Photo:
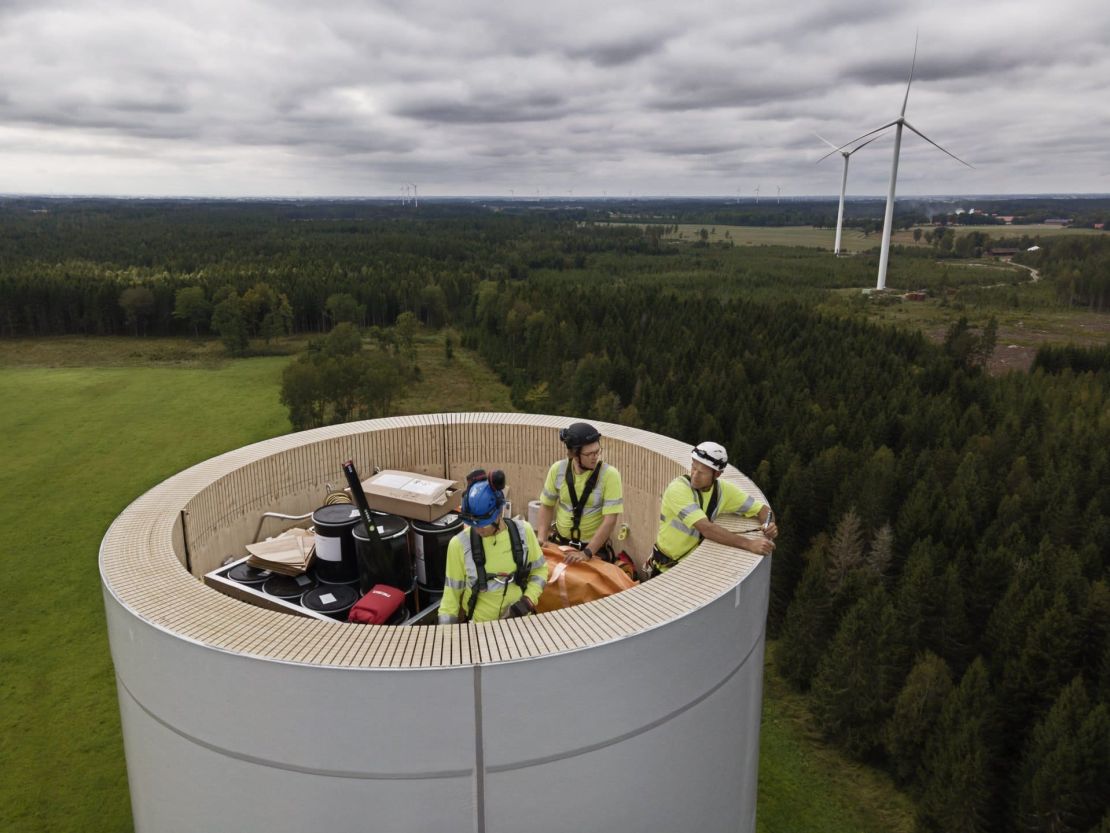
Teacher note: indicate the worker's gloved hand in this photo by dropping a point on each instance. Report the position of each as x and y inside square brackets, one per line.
[522, 607]
[573, 556]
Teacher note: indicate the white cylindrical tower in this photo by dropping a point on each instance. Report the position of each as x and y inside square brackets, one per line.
[637, 712]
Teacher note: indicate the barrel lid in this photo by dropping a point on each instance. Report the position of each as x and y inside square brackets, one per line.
[244, 573]
[288, 587]
[448, 521]
[389, 526]
[337, 514]
[330, 599]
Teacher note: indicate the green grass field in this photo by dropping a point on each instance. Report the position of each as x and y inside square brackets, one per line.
[852, 240]
[807, 236]
[805, 785]
[90, 425]
[79, 444]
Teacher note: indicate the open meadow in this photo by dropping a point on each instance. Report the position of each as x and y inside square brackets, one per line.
[91, 424]
[852, 239]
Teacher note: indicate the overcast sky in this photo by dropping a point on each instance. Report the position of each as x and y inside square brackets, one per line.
[359, 97]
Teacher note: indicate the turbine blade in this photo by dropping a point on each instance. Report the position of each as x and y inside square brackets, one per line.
[823, 139]
[934, 144]
[913, 64]
[864, 136]
[865, 144]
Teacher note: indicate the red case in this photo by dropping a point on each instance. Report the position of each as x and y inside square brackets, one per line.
[378, 606]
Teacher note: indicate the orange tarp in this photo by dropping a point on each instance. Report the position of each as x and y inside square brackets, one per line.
[575, 584]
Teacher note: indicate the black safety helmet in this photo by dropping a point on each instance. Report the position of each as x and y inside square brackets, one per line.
[578, 435]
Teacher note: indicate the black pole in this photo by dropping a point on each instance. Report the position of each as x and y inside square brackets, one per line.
[375, 559]
[359, 498]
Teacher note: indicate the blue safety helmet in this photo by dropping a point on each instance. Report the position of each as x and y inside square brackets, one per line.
[481, 503]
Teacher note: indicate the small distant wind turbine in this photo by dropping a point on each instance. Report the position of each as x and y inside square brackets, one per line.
[778, 194]
[757, 195]
[415, 196]
[897, 124]
[843, 181]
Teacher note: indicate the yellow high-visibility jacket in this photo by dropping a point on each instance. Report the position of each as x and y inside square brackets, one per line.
[607, 497]
[683, 506]
[501, 591]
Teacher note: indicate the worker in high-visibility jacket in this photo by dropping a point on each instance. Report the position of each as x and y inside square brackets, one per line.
[585, 496]
[495, 567]
[691, 505]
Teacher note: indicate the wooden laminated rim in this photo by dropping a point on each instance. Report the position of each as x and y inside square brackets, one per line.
[143, 572]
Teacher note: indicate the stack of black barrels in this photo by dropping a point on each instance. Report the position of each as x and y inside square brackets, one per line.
[412, 557]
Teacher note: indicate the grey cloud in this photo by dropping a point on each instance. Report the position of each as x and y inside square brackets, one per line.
[159, 107]
[617, 53]
[700, 93]
[938, 68]
[680, 147]
[507, 109]
[347, 94]
[96, 119]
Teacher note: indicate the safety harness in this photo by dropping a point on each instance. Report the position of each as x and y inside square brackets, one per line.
[714, 499]
[658, 558]
[478, 555]
[578, 504]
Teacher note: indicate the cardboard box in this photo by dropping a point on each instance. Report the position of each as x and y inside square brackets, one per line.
[416, 496]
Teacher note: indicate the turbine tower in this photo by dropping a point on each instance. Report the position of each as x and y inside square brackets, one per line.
[897, 124]
[843, 182]
[415, 197]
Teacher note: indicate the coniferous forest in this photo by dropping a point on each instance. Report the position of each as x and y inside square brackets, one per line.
[941, 586]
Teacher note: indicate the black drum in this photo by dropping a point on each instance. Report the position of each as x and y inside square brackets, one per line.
[244, 573]
[392, 564]
[408, 609]
[336, 561]
[429, 549]
[333, 600]
[427, 596]
[289, 588]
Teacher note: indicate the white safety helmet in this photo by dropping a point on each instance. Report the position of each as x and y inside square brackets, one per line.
[711, 454]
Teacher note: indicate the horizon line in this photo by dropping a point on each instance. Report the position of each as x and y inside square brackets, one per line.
[728, 199]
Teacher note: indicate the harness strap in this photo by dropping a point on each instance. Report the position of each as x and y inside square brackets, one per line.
[714, 500]
[606, 553]
[658, 562]
[521, 576]
[579, 505]
[478, 554]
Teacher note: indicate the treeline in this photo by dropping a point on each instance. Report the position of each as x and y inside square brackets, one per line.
[247, 271]
[1053, 358]
[1079, 268]
[940, 585]
[859, 213]
[66, 270]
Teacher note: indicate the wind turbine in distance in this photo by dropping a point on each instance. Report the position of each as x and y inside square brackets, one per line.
[843, 181]
[897, 124]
